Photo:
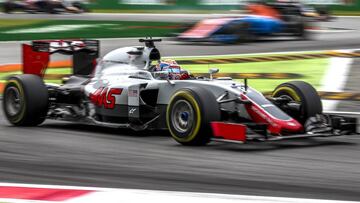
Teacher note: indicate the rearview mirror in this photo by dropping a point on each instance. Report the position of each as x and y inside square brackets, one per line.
[162, 75]
[213, 71]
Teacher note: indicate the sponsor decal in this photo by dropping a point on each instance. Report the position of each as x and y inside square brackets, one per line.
[133, 93]
[132, 110]
[103, 97]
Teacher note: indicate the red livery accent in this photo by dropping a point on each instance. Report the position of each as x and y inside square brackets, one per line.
[34, 62]
[95, 96]
[229, 131]
[42, 194]
[103, 97]
[111, 98]
[276, 126]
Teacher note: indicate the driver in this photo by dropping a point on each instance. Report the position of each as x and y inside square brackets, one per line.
[175, 72]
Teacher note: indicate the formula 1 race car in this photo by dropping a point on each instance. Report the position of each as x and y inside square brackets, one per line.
[44, 6]
[124, 89]
[265, 21]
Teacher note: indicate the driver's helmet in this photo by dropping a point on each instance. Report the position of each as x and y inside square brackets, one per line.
[173, 68]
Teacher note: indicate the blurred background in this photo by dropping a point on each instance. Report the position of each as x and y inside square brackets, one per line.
[268, 42]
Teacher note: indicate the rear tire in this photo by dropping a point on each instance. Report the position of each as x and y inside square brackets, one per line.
[189, 114]
[25, 100]
[303, 93]
[301, 31]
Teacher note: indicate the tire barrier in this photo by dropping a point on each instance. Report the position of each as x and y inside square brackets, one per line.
[282, 57]
[254, 75]
[348, 96]
[342, 96]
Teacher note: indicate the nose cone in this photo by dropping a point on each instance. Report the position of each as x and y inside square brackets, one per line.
[291, 126]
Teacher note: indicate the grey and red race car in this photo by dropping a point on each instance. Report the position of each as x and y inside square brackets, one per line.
[132, 87]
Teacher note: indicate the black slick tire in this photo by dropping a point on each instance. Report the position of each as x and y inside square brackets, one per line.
[25, 100]
[200, 107]
[303, 93]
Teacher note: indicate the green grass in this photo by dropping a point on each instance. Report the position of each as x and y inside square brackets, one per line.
[312, 69]
[58, 71]
[345, 13]
[11, 23]
[94, 29]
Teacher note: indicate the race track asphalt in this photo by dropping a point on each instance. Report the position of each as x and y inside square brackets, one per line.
[70, 154]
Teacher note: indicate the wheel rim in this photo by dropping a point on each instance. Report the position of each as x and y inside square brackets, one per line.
[13, 101]
[182, 116]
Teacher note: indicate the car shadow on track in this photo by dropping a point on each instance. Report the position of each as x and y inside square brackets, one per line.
[110, 133]
[105, 130]
[284, 145]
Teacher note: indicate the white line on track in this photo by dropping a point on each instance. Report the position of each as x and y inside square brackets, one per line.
[113, 195]
[343, 113]
[335, 79]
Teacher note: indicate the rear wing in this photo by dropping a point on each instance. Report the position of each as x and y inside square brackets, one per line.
[36, 56]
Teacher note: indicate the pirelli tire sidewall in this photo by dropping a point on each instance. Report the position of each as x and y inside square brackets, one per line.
[305, 94]
[33, 96]
[206, 109]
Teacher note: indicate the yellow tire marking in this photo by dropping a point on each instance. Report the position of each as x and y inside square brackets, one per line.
[289, 91]
[23, 105]
[186, 95]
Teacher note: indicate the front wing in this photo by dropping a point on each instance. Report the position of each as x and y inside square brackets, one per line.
[252, 132]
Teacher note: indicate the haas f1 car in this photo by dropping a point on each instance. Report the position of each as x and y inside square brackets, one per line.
[124, 89]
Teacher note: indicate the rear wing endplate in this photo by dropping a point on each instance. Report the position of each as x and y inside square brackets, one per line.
[36, 56]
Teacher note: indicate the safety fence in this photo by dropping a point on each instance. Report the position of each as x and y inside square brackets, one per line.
[340, 96]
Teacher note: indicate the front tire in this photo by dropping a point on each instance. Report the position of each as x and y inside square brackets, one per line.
[303, 93]
[189, 114]
[25, 100]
